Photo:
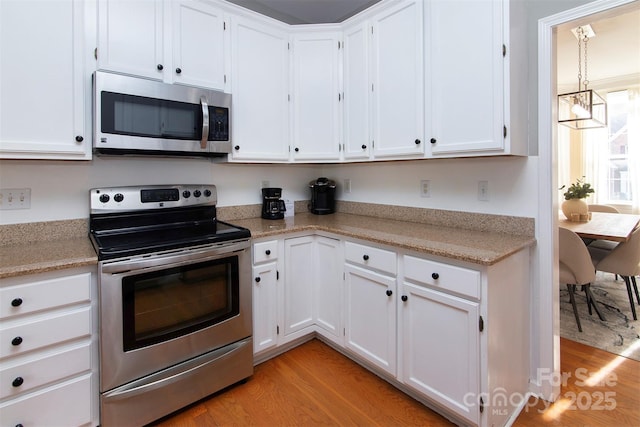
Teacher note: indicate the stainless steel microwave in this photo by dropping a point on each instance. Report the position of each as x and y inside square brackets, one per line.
[138, 116]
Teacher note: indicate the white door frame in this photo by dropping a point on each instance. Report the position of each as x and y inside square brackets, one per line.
[543, 383]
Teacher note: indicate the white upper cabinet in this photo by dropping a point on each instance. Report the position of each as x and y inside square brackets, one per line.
[469, 91]
[199, 33]
[260, 87]
[316, 96]
[42, 81]
[356, 102]
[131, 37]
[173, 41]
[398, 110]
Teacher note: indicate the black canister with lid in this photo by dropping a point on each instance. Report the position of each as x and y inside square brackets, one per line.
[323, 196]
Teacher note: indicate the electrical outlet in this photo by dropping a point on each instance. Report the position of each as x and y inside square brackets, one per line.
[265, 183]
[15, 198]
[425, 188]
[483, 191]
[347, 185]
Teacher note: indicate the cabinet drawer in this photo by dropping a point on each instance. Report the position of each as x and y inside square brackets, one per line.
[265, 251]
[370, 257]
[31, 297]
[44, 331]
[35, 372]
[443, 276]
[66, 404]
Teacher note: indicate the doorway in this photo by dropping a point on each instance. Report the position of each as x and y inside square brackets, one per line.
[548, 329]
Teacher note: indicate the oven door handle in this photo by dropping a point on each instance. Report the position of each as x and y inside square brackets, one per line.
[205, 123]
[186, 256]
[173, 374]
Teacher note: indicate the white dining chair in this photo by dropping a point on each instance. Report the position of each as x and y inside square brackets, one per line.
[606, 245]
[603, 208]
[576, 269]
[623, 260]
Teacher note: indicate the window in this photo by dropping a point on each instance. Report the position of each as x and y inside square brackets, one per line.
[619, 189]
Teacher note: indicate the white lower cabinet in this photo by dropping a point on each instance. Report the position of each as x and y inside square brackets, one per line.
[297, 288]
[455, 335]
[463, 334]
[297, 291]
[265, 295]
[265, 303]
[48, 349]
[370, 304]
[370, 316]
[441, 348]
[327, 288]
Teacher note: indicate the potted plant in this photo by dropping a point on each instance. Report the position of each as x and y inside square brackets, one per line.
[574, 202]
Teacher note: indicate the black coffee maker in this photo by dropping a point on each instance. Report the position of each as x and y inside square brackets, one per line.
[272, 204]
[323, 196]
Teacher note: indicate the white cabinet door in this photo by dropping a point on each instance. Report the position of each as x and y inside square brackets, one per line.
[441, 348]
[398, 110]
[370, 316]
[465, 85]
[328, 297]
[265, 307]
[260, 87]
[131, 37]
[42, 81]
[198, 45]
[357, 90]
[316, 96]
[173, 41]
[298, 286]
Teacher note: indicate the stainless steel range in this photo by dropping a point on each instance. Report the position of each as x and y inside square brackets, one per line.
[175, 300]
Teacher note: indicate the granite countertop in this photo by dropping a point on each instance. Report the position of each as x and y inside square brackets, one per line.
[45, 246]
[65, 244]
[39, 257]
[478, 247]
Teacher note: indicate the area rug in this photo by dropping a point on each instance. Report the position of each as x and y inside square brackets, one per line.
[619, 334]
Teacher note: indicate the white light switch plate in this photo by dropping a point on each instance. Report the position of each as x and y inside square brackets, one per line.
[15, 198]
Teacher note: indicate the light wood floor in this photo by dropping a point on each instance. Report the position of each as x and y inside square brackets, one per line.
[314, 385]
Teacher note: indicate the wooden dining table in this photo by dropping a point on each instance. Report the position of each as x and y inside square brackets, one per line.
[616, 227]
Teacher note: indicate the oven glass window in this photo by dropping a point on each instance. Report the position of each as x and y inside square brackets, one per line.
[124, 114]
[166, 304]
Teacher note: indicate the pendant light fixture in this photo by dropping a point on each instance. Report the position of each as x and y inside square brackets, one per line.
[584, 109]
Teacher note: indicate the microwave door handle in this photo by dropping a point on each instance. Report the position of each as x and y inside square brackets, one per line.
[205, 122]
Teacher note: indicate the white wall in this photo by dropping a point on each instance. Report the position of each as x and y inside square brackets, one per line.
[60, 190]
[454, 184]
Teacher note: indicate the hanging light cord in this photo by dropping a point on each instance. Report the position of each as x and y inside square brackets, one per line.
[580, 32]
[586, 80]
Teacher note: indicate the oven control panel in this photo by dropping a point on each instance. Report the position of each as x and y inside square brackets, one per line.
[151, 197]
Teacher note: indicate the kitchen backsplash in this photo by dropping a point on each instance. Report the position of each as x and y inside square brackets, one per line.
[467, 220]
[24, 233]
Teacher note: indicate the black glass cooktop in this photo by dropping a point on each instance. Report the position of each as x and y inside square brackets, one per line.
[117, 235]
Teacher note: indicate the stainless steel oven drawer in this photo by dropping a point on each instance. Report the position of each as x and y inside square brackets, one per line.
[154, 396]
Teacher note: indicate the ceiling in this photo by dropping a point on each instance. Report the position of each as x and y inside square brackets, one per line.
[307, 11]
[613, 54]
